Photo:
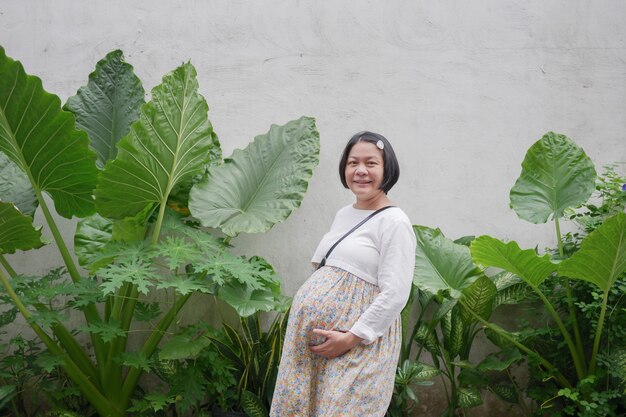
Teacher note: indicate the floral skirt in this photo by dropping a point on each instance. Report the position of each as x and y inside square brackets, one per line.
[358, 383]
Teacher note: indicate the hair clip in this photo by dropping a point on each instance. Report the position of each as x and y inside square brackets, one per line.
[380, 145]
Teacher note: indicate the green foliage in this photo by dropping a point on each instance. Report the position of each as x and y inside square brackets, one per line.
[17, 231]
[254, 355]
[235, 198]
[169, 146]
[42, 141]
[408, 374]
[584, 300]
[556, 175]
[107, 106]
[461, 298]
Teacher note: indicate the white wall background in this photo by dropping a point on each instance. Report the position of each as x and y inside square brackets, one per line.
[461, 88]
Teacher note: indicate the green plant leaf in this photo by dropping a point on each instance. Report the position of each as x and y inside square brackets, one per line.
[499, 361]
[261, 185]
[108, 104]
[506, 392]
[17, 230]
[601, 258]
[453, 338]
[511, 289]
[526, 264]
[92, 235]
[167, 146]
[15, 187]
[478, 298]
[108, 331]
[426, 371]
[556, 175]
[252, 405]
[247, 301]
[43, 142]
[469, 397]
[183, 347]
[440, 264]
[427, 337]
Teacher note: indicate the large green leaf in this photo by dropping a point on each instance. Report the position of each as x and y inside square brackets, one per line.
[526, 264]
[15, 187]
[441, 264]
[556, 175]
[601, 258]
[168, 145]
[247, 301]
[94, 234]
[107, 106]
[261, 185]
[42, 141]
[17, 231]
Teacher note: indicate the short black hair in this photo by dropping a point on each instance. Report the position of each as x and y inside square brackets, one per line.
[391, 168]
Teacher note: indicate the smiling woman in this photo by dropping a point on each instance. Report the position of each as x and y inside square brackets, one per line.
[343, 337]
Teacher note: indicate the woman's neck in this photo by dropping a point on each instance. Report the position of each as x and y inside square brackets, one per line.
[372, 204]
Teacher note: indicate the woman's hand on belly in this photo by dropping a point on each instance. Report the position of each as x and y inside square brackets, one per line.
[336, 343]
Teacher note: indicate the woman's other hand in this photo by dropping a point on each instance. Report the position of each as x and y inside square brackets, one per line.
[336, 343]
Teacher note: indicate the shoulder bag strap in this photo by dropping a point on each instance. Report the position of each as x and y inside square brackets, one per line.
[323, 261]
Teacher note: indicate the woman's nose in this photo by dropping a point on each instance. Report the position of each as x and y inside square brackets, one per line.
[361, 170]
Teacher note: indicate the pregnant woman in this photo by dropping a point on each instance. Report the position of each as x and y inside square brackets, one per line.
[343, 338]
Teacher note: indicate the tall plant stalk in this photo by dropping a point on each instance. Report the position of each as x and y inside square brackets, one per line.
[580, 354]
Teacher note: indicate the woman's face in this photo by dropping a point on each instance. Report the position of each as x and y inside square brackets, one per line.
[365, 171]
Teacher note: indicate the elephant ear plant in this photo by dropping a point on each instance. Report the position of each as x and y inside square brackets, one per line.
[556, 176]
[120, 170]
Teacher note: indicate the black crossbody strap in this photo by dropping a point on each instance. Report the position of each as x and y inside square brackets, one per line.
[323, 261]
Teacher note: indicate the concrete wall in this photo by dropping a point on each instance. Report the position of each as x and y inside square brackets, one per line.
[461, 88]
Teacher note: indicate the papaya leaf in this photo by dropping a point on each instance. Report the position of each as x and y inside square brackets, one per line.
[601, 258]
[168, 145]
[107, 331]
[261, 185]
[136, 272]
[17, 230]
[526, 264]
[440, 264]
[134, 360]
[556, 175]
[247, 301]
[15, 187]
[43, 142]
[108, 104]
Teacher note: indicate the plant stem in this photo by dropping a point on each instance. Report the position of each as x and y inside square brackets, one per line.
[90, 311]
[159, 221]
[148, 348]
[7, 266]
[559, 377]
[576, 357]
[570, 302]
[596, 341]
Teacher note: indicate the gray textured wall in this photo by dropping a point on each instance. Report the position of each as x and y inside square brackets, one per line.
[461, 88]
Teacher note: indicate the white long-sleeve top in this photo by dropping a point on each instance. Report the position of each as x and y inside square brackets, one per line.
[382, 252]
